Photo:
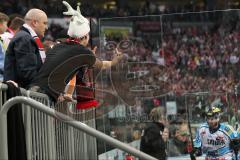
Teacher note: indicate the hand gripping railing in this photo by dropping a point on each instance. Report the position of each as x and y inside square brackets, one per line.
[66, 119]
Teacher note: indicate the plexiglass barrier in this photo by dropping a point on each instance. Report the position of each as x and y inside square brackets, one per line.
[183, 63]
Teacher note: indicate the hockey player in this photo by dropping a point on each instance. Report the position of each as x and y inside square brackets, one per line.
[213, 138]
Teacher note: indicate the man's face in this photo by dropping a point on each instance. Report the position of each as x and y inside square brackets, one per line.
[182, 135]
[213, 121]
[3, 27]
[41, 25]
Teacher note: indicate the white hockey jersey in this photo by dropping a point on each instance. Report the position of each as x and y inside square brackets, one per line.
[215, 145]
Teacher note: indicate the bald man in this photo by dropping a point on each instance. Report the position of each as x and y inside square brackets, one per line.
[25, 53]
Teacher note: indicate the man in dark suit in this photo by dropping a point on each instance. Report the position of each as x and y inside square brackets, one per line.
[25, 54]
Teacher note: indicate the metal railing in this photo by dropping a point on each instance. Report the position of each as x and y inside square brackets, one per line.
[48, 138]
[62, 117]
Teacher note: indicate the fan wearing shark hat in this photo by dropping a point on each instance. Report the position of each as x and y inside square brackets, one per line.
[67, 60]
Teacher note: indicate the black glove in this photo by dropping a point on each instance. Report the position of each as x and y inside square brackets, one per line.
[235, 144]
[197, 151]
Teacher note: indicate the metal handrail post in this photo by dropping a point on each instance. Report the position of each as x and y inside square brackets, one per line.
[3, 127]
[3, 137]
[28, 130]
[68, 120]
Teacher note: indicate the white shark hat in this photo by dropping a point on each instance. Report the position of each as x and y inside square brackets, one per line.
[79, 25]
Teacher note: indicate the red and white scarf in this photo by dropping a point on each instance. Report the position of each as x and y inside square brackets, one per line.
[84, 87]
[38, 42]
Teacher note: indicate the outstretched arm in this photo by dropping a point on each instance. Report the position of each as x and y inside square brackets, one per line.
[107, 64]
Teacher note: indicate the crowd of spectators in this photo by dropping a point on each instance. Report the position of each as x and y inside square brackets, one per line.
[190, 58]
[120, 8]
[193, 59]
[201, 61]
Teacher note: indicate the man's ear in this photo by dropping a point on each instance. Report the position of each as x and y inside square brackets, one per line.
[34, 22]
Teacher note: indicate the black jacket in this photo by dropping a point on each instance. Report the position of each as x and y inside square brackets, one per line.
[61, 63]
[152, 142]
[16, 132]
[22, 60]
